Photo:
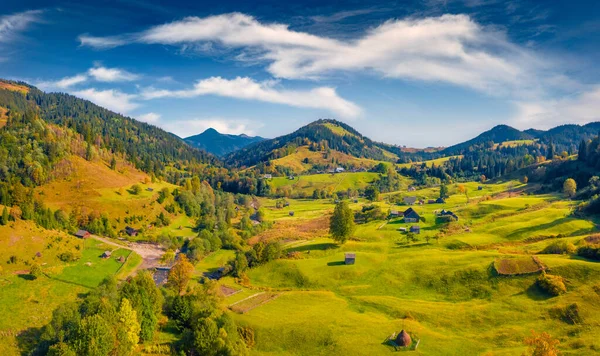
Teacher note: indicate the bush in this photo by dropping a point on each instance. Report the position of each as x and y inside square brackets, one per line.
[68, 257]
[553, 285]
[589, 251]
[559, 248]
[35, 271]
[569, 314]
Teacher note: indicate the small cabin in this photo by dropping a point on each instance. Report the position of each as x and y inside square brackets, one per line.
[431, 201]
[150, 189]
[394, 213]
[339, 170]
[83, 234]
[410, 215]
[410, 200]
[412, 189]
[131, 231]
[268, 176]
[440, 201]
[350, 258]
[415, 229]
[291, 213]
[106, 254]
[480, 188]
[402, 229]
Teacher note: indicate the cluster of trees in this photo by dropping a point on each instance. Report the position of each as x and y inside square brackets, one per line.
[259, 254]
[112, 319]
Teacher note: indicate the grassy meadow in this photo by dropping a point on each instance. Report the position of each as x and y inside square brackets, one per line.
[444, 293]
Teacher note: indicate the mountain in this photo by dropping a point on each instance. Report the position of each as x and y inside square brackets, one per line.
[51, 127]
[221, 144]
[320, 143]
[497, 134]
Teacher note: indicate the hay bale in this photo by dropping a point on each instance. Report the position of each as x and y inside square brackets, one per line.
[403, 339]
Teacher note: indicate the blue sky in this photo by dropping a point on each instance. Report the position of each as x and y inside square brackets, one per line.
[415, 73]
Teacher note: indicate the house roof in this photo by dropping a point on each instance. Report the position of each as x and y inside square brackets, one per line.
[81, 232]
[410, 199]
[411, 213]
[350, 255]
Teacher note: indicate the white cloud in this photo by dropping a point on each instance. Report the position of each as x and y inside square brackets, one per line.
[186, 128]
[577, 109]
[103, 74]
[450, 48]
[112, 99]
[246, 88]
[10, 25]
[63, 83]
[151, 117]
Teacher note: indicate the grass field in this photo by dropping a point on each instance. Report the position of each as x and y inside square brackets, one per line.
[444, 293]
[27, 304]
[295, 161]
[429, 163]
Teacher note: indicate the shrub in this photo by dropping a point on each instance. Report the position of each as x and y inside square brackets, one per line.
[559, 248]
[35, 271]
[68, 257]
[553, 285]
[569, 314]
[589, 251]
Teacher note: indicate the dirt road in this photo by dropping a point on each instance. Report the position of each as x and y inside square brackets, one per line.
[151, 253]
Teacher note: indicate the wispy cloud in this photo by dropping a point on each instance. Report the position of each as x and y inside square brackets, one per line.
[112, 99]
[580, 108]
[151, 117]
[449, 48]
[63, 83]
[246, 88]
[11, 25]
[103, 74]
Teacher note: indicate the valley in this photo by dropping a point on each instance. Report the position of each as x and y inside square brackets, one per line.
[470, 249]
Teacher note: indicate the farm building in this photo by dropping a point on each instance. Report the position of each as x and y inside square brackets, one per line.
[350, 258]
[403, 339]
[150, 189]
[480, 188]
[106, 254]
[268, 176]
[402, 229]
[339, 170]
[445, 212]
[131, 231]
[431, 201]
[411, 189]
[394, 213]
[410, 200]
[415, 229]
[291, 213]
[440, 201]
[410, 215]
[83, 234]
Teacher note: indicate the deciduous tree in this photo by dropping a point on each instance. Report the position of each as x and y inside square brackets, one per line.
[180, 274]
[341, 225]
[570, 187]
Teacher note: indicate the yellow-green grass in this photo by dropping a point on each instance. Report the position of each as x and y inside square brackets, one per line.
[429, 163]
[26, 303]
[450, 299]
[295, 161]
[214, 260]
[515, 143]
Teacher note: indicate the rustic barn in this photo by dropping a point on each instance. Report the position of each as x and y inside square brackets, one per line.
[410, 215]
[83, 234]
[350, 258]
[106, 254]
[131, 231]
[415, 229]
[410, 200]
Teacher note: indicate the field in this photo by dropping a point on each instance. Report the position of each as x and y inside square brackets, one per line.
[429, 163]
[27, 304]
[329, 182]
[295, 161]
[445, 293]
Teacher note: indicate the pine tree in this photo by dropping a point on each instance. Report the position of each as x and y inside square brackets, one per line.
[113, 163]
[582, 154]
[5, 216]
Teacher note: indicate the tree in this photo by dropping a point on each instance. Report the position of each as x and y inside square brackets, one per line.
[5, 216]
[443, 191]
[341, 224]
[240, 264]
[582, 153]
[180, 274]
[113, 163]
[61, 349]
[525, 179]
[128, 333]
[542, 344]
[35, 271]
[550, 152]
[570, 187]
[372, 193]
[168, 257]
[94, 337]
[136, 189]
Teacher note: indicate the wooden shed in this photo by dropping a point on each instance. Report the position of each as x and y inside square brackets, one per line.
[350, 258]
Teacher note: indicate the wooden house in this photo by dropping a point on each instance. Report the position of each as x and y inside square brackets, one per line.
[410, 200]
[350, 258]
[415, 229]
[410, 215]
[83, 234]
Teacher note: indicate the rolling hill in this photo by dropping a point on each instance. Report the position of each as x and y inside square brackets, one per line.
[317, 139]
[220, 144]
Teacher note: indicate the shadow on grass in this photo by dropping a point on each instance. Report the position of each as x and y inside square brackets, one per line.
[534, 293]
[336, 263]
[314, 247]
[28, 341]
[27, 277]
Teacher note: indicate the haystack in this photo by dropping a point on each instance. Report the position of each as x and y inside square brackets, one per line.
[403, 339]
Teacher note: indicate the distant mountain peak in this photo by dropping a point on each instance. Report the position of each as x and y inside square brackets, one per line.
[220, 144]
